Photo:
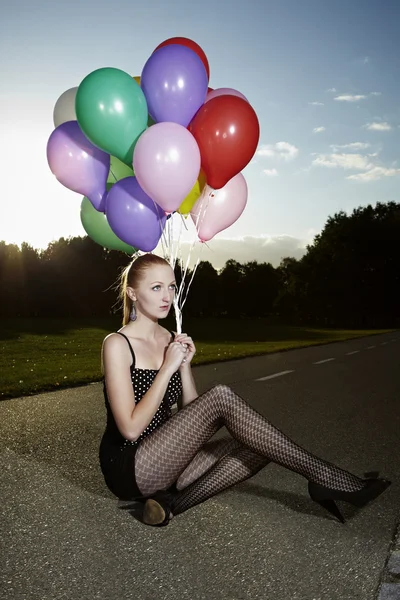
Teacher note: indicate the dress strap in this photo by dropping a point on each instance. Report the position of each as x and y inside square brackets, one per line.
[130, 348]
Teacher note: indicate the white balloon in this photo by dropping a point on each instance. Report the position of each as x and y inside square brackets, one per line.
[64, 109]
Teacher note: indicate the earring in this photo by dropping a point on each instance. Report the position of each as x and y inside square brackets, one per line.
[133, 315]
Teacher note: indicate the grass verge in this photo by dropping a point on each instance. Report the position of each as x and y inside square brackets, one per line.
[38, 355]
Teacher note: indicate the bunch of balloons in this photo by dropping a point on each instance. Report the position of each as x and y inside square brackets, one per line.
[141, 148]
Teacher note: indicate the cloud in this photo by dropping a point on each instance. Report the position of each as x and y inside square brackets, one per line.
[260, 248]
[280, 150]
[344, 161]
[374, 174]
[318, 129]
[376, 94]
[384, 126]
[333, 90]
[270, 172]
[363, 60]
[356, 162]
[350, 98]
[351, 146]
[316, 103]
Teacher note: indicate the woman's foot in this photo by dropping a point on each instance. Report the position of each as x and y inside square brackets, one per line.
[157, 509]
[326, 497]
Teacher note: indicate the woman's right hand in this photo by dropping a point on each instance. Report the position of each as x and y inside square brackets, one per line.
[174, 356]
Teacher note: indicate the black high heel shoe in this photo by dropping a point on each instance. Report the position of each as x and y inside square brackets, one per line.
[157, 509]
[326, 497]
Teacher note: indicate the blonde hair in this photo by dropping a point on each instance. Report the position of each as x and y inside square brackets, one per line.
[131, 277]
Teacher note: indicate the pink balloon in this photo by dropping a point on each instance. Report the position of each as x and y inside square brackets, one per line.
[224, 92]
[216, 210]
[166, 162]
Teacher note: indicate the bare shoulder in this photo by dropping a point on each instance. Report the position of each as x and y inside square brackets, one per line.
[113, 341]
[115, 348]
[167, 332]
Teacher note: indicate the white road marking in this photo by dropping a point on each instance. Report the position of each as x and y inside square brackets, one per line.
[370, 347]
[274, 375]
[350, 353]
[320, 362]
[383, 343]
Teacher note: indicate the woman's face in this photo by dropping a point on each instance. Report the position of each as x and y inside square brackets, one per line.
[155, 293]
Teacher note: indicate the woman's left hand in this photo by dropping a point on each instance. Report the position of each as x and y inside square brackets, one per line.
[186, 341]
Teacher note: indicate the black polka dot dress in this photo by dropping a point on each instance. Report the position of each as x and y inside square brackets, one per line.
[117, 454]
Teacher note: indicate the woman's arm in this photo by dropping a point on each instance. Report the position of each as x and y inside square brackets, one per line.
[131, 419]
[189, 391]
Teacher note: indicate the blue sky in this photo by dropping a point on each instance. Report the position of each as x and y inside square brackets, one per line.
[322, 76]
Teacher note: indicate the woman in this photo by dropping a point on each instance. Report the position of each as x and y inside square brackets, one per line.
[168, 461]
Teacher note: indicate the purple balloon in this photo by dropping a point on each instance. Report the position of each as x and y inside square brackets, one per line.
[78, 164]
[175, 83]
[133, 216]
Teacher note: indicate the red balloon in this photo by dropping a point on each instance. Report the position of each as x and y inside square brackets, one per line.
[182, 41]
[227, 131]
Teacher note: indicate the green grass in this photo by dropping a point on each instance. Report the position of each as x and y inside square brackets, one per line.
[39, 355]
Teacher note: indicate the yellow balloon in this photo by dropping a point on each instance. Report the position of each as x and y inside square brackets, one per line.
[137, 79]
[193, 195]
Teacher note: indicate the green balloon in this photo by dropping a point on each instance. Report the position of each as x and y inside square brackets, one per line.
[118, 170]
[96, 226]
[111, 110]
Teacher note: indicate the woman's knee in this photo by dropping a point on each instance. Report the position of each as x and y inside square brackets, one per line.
[222, 388]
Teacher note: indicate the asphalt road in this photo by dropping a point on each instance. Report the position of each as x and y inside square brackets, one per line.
[64, 536]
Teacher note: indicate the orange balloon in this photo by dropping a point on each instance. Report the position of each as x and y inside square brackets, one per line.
[137, 79]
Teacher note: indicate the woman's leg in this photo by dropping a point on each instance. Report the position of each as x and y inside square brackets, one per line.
[205, 459]
[237, 466]
[163, 456]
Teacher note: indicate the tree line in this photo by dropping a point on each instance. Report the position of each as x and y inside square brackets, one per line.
[348, 277]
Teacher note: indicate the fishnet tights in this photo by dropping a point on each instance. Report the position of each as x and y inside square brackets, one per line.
[174, 452]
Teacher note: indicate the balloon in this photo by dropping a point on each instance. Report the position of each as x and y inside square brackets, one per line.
[64, 109]
[118, 170]
[112, 111]
[218, 209]
[166, 162]
[150, 121]
[78, 164]
[96, 226]
[133, 216]
[227, 132]
[193, 195]
[224, 92]
[174, 82]
[182, 41]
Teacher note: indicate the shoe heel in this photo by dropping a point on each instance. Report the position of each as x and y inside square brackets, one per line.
[154, 513]
[331, 507]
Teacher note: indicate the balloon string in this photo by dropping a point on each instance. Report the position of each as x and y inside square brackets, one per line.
[177, 246]
[195, 239]
[174, 246]
[191, 279]
[178, 308]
